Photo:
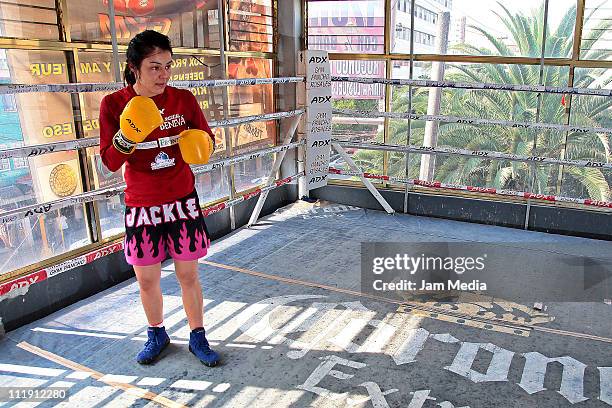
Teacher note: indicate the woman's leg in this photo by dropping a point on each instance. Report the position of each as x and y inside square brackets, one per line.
[187, 275]
[150, 292]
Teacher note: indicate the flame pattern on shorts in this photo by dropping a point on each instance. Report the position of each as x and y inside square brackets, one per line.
[176, 229]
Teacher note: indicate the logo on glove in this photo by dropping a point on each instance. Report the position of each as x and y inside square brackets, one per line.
[132, 125]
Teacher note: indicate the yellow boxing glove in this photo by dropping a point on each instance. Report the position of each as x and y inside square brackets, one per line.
[139, 118]
[196, 146]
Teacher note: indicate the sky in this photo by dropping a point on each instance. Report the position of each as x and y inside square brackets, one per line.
[480, 10]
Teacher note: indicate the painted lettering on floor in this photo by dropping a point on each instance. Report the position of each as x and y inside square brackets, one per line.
[333, 327]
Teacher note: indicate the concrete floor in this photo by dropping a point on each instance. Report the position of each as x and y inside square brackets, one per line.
[283, 308]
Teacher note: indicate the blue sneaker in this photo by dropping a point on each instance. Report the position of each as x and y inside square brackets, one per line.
[158, 341]
[199, 346]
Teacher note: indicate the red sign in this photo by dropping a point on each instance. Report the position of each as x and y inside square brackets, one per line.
[92, 256]
[23, 282]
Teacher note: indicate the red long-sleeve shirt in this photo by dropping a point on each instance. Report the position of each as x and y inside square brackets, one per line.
[159, 175]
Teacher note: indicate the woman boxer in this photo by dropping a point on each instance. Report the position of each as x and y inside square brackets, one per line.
[162, 214]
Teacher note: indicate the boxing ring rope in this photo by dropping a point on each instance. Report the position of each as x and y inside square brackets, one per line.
[35, 150]
[46, 148]
[101, 194]
[477, 85]
[472, 189]
[484, 154]
[7, 89]
[53, 147]
[481, 154]
[113, 86]
[472, 121]
[104, 193]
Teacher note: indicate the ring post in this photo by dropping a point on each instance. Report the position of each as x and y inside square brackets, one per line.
[318, 124]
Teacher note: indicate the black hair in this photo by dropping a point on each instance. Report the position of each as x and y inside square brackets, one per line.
[140, 47]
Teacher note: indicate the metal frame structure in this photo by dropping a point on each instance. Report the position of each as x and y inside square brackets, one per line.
[72, 51]
[387, 56]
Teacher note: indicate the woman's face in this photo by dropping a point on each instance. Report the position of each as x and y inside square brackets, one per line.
[154, 73]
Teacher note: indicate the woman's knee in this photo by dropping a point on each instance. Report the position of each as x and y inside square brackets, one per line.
[148, 276]
[189, 277]
[187, 272]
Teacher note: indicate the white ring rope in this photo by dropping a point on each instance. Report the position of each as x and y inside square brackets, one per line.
[472, 121]
[7, 89]
[105, 193]
[106, 250]
[255, 118]
[477, 85]
[486, 190]
[46, 148]
[481, 154]
[229, 203]
[211, 83]
[37, 150]
[217, 164]
[215, 83]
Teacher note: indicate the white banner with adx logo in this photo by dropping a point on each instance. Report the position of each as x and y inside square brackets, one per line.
[318, 117]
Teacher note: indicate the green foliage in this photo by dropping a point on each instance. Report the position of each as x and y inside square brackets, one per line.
[526, 32]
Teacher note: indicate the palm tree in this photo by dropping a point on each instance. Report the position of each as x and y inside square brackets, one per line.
[526, 33]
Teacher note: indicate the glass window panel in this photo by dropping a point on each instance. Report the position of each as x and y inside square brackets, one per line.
[251, 100]
[486, 27]
[247, 101]
[487, 104]
[347, 26]
[198, 67]
[34, 118]
[94, 67]
[355, 96]
[490, 28]
[97, 67]
[33, 239]
[596, 41]
[42, 117]
[588, 110]
[36, 20]
[251, 24]
[212, 186]
[560, 29]
[253, 173]
[188, 23]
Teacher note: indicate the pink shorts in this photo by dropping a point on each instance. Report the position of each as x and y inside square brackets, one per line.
[176, 229]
